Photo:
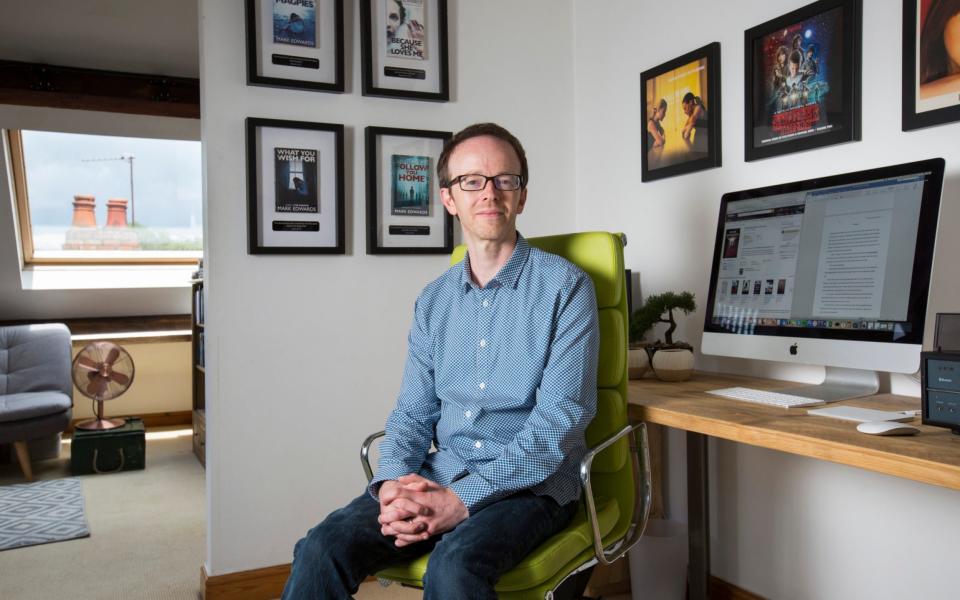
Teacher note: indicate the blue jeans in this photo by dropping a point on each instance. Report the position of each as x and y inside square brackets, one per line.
[339, 553]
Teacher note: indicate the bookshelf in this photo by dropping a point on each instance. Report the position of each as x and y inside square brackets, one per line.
[197, 362]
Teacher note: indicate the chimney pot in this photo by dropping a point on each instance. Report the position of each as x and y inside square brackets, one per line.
[117, 212]
[83, 215]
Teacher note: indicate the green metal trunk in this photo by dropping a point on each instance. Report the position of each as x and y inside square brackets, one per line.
[110, 451]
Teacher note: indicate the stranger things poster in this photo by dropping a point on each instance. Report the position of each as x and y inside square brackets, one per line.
[803, 69]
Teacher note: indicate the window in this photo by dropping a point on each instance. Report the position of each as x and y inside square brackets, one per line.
[107, 199]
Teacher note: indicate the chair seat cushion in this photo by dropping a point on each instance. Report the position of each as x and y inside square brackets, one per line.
[541, 564]
[30, 405]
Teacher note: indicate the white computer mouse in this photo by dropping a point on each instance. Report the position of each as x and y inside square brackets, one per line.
[887, 428]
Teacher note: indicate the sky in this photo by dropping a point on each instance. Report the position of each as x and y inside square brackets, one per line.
[166, 177]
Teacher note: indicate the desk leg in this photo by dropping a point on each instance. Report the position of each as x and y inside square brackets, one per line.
[698, 505]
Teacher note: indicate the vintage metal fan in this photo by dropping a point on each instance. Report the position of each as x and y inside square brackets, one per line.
[102, 371]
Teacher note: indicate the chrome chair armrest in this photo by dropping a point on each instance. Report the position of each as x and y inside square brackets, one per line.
[641, 508]
[365, 453]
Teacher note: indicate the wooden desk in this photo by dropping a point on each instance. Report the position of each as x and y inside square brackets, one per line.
[933, 456]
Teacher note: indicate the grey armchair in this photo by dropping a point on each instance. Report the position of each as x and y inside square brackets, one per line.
[36, 390]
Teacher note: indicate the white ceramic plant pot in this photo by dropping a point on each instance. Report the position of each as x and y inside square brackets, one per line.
[673, 364]
[638, 362]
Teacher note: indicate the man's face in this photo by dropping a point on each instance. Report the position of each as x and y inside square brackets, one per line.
[393, 19]
[488, 214]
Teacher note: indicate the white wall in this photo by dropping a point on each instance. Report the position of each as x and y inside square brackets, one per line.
[305, 352]
[782, 526]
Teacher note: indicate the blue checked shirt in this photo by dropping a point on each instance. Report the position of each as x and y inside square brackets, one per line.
[501, 379]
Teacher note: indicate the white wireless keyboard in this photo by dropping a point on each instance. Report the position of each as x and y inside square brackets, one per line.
[765, 397]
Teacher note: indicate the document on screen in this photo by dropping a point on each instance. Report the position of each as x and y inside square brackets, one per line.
[853, 258]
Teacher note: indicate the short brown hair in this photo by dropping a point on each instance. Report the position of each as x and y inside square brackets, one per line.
[478, 130]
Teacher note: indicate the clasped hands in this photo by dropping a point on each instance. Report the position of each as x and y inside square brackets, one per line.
[413, 508]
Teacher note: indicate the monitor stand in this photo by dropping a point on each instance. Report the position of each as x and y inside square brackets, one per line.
[840, 384]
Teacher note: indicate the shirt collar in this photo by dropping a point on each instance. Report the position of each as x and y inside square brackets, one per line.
[509, 273]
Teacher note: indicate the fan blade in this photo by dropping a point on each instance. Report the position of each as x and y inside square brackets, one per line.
[87, 363]
[112, 357]
[119, 378]
[91, 375]
[94, 385]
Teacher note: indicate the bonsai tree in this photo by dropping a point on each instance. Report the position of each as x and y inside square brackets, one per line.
[659, 309]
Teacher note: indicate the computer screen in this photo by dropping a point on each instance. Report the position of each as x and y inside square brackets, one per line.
[832, 271]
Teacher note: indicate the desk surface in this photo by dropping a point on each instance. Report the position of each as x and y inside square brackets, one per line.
[932, 456]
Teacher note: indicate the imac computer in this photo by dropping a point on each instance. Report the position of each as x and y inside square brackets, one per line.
[833, 271]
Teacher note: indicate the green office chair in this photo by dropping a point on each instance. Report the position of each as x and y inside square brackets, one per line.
[615, 473]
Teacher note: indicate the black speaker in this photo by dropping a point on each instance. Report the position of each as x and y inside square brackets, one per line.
[940, 375]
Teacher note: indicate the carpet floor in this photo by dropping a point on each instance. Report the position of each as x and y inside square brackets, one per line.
[147, 531]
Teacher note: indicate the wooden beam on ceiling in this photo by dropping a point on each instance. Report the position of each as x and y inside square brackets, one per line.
[34, 84]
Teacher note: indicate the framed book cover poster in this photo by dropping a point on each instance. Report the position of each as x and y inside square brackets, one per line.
[680, 100]
[931, 63]
[295, 44]
[404, 212]
[803, 80]
[404, 49]
[295, 187]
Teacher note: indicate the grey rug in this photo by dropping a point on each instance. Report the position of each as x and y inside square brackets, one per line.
[41, 512]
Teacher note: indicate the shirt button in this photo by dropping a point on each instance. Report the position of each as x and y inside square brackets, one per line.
[483, 386]
[478, 444]
[483, 343]
[486, 303]
[468, 414]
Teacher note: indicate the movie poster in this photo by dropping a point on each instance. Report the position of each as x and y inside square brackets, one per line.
[676, 116]
[406, 29]
[938, 54]
[297, 180]
[295, 22]
[801, 92]
[410, 192]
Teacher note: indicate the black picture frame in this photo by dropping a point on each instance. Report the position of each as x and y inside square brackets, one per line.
[814, 106]
[675, 149]
[292, 65]
[274, 149]
[398, 76]
[926, 108]
[430, 225]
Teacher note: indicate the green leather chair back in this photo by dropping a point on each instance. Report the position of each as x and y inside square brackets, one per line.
[600, 255]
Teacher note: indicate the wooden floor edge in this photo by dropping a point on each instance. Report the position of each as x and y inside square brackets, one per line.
[256, 584]
[724, 590]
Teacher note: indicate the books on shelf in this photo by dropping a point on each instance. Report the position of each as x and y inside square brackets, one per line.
[198, 305]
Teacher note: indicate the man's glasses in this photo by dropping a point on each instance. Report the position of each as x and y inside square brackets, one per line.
[475, 183]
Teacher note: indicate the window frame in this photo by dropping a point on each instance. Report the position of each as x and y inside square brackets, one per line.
[14, 143]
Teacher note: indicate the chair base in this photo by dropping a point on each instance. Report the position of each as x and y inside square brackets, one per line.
[23, 457]
[573, 587]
